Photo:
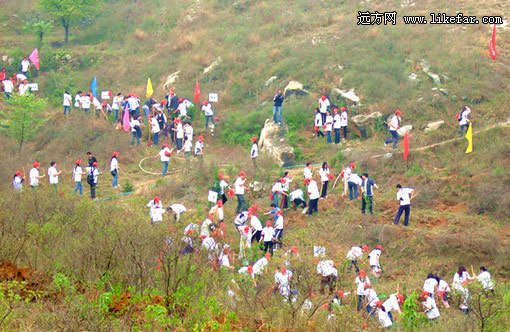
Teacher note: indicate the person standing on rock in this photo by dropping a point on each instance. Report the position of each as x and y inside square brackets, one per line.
[254, 153]
[328, 127]
[404, 196]
[239, 192]
[336, 125]
[313, 196]
[367, 193]
[464, 120]
[277, 107]
[393, 126]
[323, 107]
[318, 123]
[344, 121]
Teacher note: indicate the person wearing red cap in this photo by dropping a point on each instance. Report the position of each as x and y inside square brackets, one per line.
[346, 173]
[254, 152]
[77, 174]
[282, 279]
[372, 299]
[318, 121]
[161, 118]
[17, 181]
[277, 107]
[255, 224]
[392, 303]
[134, 105]
[393, 126]
[277, 191]
[114, 169]
[367, 193]
[354, 254]
[34, 175]
[429, 306]
[344, 122]
[268, 234]
[360, 281]
[336, 125]
[373, 258]
[136, 130]
[325, 177]
[164, 155]
[184, 105]
[208, 111]
[179, 133]
[217, 210]
[313, 196]
[199, 147]
[221, 187]
[8, 87]
[154, 128]
[239, 189]
[244, 240]
[324, 105]
[92, 175]
[328, 273]
[383, 315]
[328, 127]
[156, 210]
[404, 196]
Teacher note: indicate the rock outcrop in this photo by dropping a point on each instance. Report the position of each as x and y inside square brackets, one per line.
[431, 126]
[273, 142]
[213, 65]
[363, 124]
[336, 94]
[295, 87]
[426, 69]
[170, 80]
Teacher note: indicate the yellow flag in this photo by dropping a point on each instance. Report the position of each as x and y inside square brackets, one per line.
[469, 137]
[150, 91]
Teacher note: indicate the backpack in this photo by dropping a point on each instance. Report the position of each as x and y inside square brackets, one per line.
[90, 177]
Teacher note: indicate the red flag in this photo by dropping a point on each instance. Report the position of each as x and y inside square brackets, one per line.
[492, 44]
[405, 145]
[34, 57]
[197, 92]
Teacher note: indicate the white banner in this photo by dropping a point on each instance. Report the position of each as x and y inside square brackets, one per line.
[212, 197]
[33, 86]
[213, 97]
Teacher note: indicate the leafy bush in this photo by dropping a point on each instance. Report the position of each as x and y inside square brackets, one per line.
[127, 187]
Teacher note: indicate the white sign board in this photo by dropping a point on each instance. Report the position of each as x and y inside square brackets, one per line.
[33, 86]
[213, 97]
[212, 197]
[319, 251]
[105, 95]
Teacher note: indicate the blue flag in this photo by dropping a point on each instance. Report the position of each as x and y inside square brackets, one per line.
[93, 87]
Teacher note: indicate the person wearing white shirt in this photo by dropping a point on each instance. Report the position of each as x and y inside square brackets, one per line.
[95, 173]
[346, 173]
[179, 133]
[344, 122]
[285, 190]
[329, 274]
[77, 174]
[205, 227]
[354, 254]
[23, 87]
[383, 315]
[464, 119]
[393, 126]
[256, 225]
[217, 210]
[187, 147]
[297, 198]
[134, 105]
[25, 65]
[278, 229]
[318, 121]
[460, 280]
[443, 289]
[155, 130]
[17, 181]
[254, 152]
[328, 124]
[53, 174]
[373, 259]
[336, 125]
[239, 192]
[188, 131]
[258, 266]
[277, 191]
[136, 131]
[85, 101]
[164, 155]
[116, 103]
[307, 171]
[224, 259]
[114, 169]
[485, 279]
[431, 284]
[313, 196]
[392, 303]
[8, 87]
[156, 210]
[323, 107]
[325, 177]
[282, 281]
[268, 233]
[67, 100]
[34, 175]
[223, 186]
[404, 196]
[353, 182]
[360, 281]
[429, 306]
[372, 299]
[209, 113]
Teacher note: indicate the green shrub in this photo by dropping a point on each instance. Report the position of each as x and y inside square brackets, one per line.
[127, 187]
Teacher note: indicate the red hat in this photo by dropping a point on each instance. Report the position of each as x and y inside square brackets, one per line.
[424, 294]
[364, 326]
[103, 103]
[343, 108]
[78, 162]
[307, 181]
[268, 255]
[340, 293]
[25, 81]
[250, 269]
[242, 173]
[398, 112]
[282, 180]
[378, 247]
[323, 98]
[335, 110]
[367, 286]
[180, 100]
[246, 229]
[254, 207]
[156, 199]
[221, 176]
[95, 164]
[400, 298]
[201, 138]
[203, 236]
[190, 231]
[294, 249]
[177, 120]
[216, 119]
[36, 164]
[115, 154]
[219, 203]
[278, 212]
[364, 248]
[379, 304]
[253, 139]
[269, 223]
[362, 273]
[352, 165]
[18, 173]
[205, 102]
[163, 102]
[165, 145]
[283, 270]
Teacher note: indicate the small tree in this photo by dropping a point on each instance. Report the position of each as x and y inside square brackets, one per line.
[38, 25]
[23, 118]
[70, 12]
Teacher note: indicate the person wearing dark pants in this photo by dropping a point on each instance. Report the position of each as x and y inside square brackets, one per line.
[313, 194]
[277, 107]
[404, 196]
[394, 125]
[239, 192]
[344, 122]
[367, 193]
[93, 173]
[336, 125]
[268, 234]
[325, 176]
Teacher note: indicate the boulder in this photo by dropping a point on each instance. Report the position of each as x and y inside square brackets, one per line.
[214, 64]
[273, 142]
[295, 87]
[336, 95]
[431, 126]
[362, 119]
[412, 77]
[404, 129]
[270, 80]
[426, 69]
[363, 124]
[170, 80]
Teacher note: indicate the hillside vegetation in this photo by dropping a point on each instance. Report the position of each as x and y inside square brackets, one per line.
[92, 265]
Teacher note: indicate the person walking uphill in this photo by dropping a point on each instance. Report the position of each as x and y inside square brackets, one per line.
[239, 192]
[404, 195]
[393, 126]
[277, 107]
[367, 193]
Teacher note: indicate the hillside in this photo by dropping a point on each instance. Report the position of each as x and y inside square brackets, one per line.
[93, 265]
